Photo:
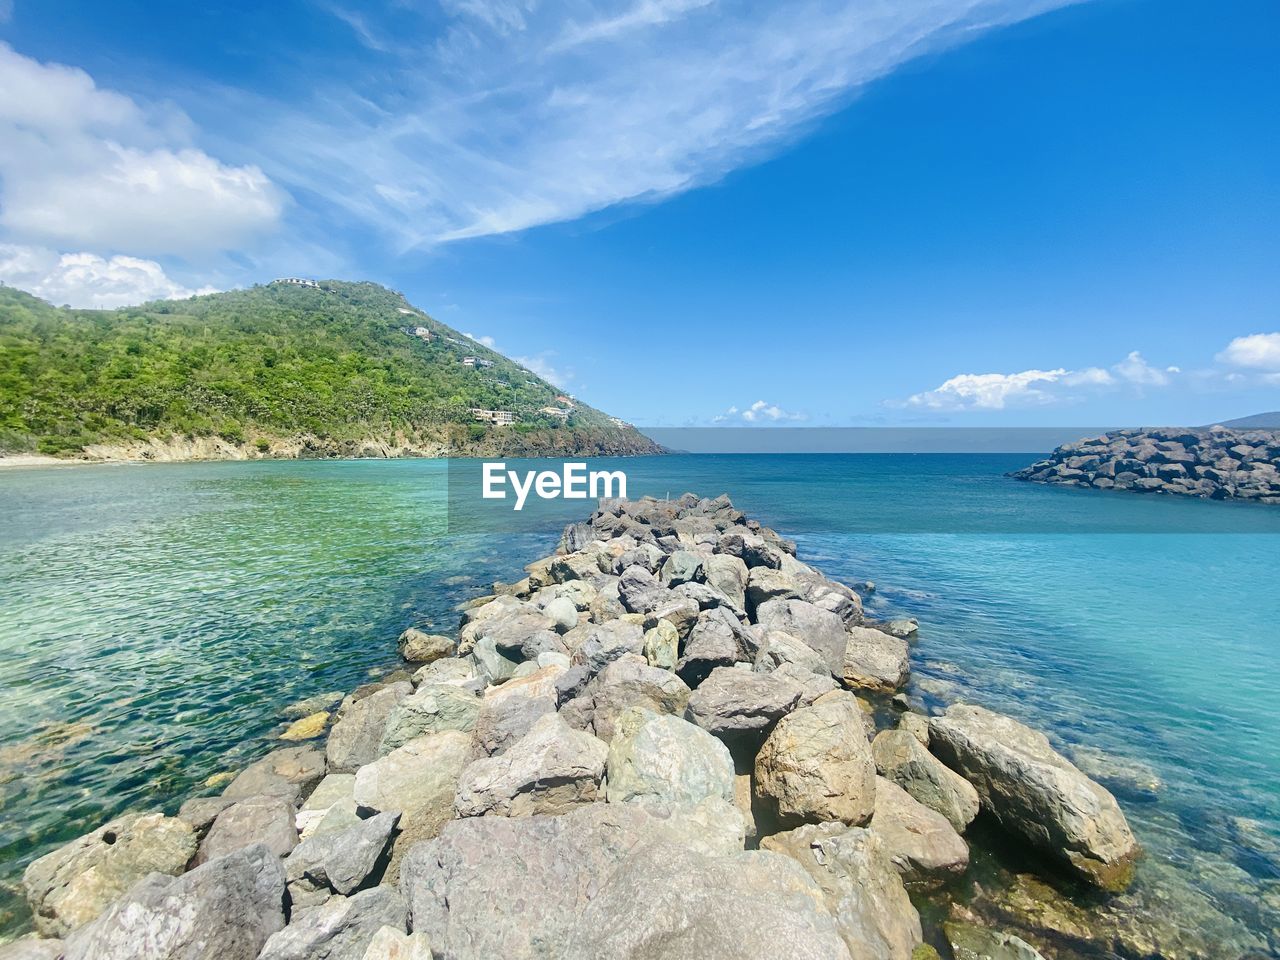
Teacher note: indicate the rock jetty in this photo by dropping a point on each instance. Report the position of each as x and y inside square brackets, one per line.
[671, 739]
[1218, 464]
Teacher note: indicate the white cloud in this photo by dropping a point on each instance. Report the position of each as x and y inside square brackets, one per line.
[760, 412]
[485, 340]
[81, 167]
[1257, 351]
[540, 365]
[996, 391]
[511, 114]
[88, 280]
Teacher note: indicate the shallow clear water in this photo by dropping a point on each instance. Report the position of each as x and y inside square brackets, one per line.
[157, 619]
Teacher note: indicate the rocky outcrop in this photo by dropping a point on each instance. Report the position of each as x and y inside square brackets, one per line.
[1217, 463]
[577, 776]
[1037, 794]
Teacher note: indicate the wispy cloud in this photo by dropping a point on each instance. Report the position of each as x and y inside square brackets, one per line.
[88, 280]
[759, 413]
[996, 391]
[512, 114]
[1257, 351]
[541, 364]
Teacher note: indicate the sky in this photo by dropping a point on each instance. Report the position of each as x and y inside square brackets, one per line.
[693, 212]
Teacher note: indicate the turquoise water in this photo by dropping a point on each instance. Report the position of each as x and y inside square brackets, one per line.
[156, 619]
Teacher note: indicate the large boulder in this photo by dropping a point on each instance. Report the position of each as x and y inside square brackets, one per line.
[816, 765]
[1037, 794]
[356, 739]
[419, 781]
[664, 758]
[778, 649]
[225, 909]
[606, 642]
[862, 889]
[31, 948]
[627, 682]
[553, 868]
[765, 584]
[288, 772]
[682, 566]
[331, 803]
[874, 660]
[392, 944]
[76, 882]
[417, 646]
[339, 929]
[728, 575]
[902, 759]
[270, 821]
[923, 846]
[717, 639]
[820, 629]
[550, 770]
[339, 862]
[740, 706]
[432, 708]
[508, 712]
[662, 645]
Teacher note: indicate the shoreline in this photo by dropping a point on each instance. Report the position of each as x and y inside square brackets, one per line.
[517, 652]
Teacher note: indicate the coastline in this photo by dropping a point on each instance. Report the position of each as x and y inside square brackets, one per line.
[568, 576]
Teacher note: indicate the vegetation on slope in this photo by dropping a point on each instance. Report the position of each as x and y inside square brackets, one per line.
[339, 362]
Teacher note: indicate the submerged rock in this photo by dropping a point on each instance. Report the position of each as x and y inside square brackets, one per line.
[75, 883]
[971, 942]
[1037, 794]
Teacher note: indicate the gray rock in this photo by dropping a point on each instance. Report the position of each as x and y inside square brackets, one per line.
[1037, 794]
[200, 812]
[607, 642]
[781, 648]
[971, 942]
[336, 792]
[874, 660]
[627, 682]
[508, 712]
[683, 566]
[339, 929]
[901, 758]
[490, 663]
[816, 765]
[288, 772]
[765, 584]
[32, 948]
[75, 883]
[740, 706]
[662, 645]
[862, 890]
[903, 628]
[550, 770]
[454, 670]
[432, 708]
[392, 944]
[820, 629]
[418, 780]
[922, 845]
[518, 630]
[339, 863]
[417, 646]
[551, 867]
[356, 739]
[255, 820]
[223, 910]
[563, 613]
[718, 639]
[916, 724]
[660, 757]
[831, 596]
[639, 590]
[728, 575]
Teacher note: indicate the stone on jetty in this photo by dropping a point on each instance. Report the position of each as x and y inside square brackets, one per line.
[861, 888]
[340, 862]
[32, 948]
[550, 770]
[356, 739]
[662, 645]
[508, 712]
[781, 648]
[289, 772]
[225, 909]
[418, 781]
[816, 765]
[1037, 794]
[659, 757]
[75, 883]
[740, 706]
[339, 929]
[901, 758]
[417, 646]
[392, 944]
[332, 804]
[819, 629]
[717, 639]
[627, 682]
[432, 708]
[922, 845]
[874, 660]
[267, 820]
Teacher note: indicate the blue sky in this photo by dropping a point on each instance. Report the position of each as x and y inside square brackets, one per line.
[967, 212]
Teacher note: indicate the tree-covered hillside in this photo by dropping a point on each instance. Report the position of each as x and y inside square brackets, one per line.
[338, 362]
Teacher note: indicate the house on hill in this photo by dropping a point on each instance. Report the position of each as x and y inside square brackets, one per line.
[499, 418]
[295, 282]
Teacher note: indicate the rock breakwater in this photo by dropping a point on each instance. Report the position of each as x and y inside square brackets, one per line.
[672, 738]
[1218, 464]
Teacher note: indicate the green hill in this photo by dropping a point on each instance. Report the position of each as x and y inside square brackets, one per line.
[274, 370]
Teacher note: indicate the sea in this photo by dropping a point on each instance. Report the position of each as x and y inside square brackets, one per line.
[157, 620]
